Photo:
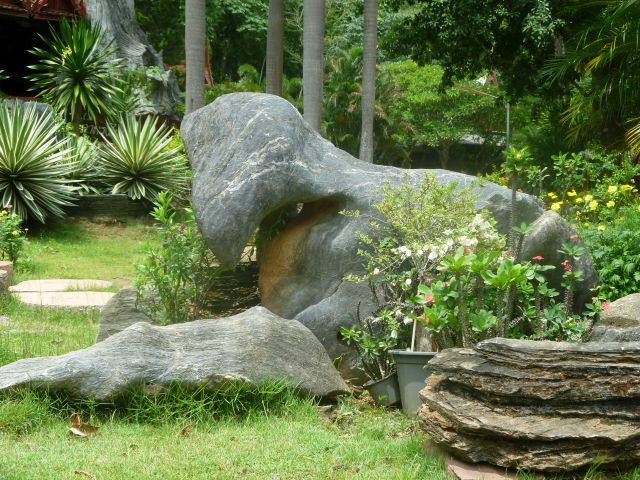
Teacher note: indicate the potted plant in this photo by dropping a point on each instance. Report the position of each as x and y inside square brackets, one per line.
[373, 338]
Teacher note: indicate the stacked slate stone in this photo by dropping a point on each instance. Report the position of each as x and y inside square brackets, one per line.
[547, 406]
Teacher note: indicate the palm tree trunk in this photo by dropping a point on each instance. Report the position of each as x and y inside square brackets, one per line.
[275, 48]
[194, 40]
[368, 97]
[313, 61]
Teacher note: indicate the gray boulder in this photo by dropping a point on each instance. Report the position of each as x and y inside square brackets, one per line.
[549, 406]
[117, 19]
[120, 313]
[257, 163]
[620, 322]
[253, 347]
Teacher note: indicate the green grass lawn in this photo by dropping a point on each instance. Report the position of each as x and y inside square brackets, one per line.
[359, 442]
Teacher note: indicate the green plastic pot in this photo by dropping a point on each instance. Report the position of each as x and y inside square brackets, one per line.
[412, 375]
[385, 392]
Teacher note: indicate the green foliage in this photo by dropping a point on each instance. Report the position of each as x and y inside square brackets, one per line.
[32, 167]
[602, 63]
[373, 337]
[75, 72]
[438, 118]
[248, 81]
[174, 278]
[467, 38]
[616, 252]
[12, 236]
[135, 160]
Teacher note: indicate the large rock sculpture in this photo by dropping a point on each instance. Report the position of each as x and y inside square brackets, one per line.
[117, 20]
[547, 406]
[254, 346]
[257, 163]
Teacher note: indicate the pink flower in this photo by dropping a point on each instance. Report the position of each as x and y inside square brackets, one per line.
[428, 298]
[567, 266]
[573, 237]
[605, 306]
[537, 258]
[8, 205]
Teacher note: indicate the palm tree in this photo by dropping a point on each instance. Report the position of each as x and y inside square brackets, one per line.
[275, 47]
[368, 98]
[313, 61]
[194, 40]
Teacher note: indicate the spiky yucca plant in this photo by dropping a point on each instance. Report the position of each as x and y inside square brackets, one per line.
[75, 72]
[32, 167]
[82, 157]
[136, 159]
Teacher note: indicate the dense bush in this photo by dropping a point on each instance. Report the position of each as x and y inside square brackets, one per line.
[175, 277]
[12, 235]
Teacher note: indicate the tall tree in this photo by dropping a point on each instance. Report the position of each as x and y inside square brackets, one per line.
[275, 47]
[313, 61]
[368, 98]
[194, 39]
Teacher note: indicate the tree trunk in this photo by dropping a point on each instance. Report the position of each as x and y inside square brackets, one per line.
[368, 97]
[313, 61]
[194, 40]
[275, 47]
[443, 155]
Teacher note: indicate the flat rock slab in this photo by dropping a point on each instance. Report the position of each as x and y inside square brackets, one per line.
[65, 299]
[544, 406]
[253, 347]
[59, 285]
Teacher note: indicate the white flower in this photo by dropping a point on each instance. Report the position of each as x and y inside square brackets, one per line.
[407, 320]
[419, 253]
[394, 334]
[408, 281]
[432, 255]
[376, 271]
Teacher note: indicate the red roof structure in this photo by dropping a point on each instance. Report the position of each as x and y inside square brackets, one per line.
[42, 9]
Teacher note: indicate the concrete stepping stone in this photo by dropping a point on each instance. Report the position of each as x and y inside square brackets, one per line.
[63, 293]
[59, 285]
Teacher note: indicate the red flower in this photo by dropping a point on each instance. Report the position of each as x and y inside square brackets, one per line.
[567, 266]
[537, 258]
[605, 306]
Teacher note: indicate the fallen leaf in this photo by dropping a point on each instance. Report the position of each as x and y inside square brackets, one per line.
[82, 473]
[80, 429]
[184, 431]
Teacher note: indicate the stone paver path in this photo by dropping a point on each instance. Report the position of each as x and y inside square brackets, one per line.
[63, 293]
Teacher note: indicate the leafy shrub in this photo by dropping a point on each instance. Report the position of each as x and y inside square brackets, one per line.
[616, 252]
[12, 235]
[135, 159]
[174, 278]
[33, 169]
[75, 72]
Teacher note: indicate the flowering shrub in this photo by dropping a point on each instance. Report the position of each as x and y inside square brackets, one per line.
[441, 263]
[12, 235]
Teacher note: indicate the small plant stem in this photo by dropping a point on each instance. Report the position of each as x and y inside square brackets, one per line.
[461, 313]
[537, 301]
[512, 216]
[479, 293]
[568, 298]
[518, 253]
[511, 303]
[500, 310]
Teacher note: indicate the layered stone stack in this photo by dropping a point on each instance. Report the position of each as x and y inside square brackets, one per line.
[548, 406]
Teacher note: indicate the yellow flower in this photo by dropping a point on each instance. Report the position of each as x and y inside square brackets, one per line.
[611, 204]
[556, 206]
[593, 204]
[588, 198]
[572, 193]
[578, 215]
[626, 188]
[586, 224]
[612, 189]
[15, 233]
[579, 200]
[601, 228]
[3, 213]
[552, 195]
